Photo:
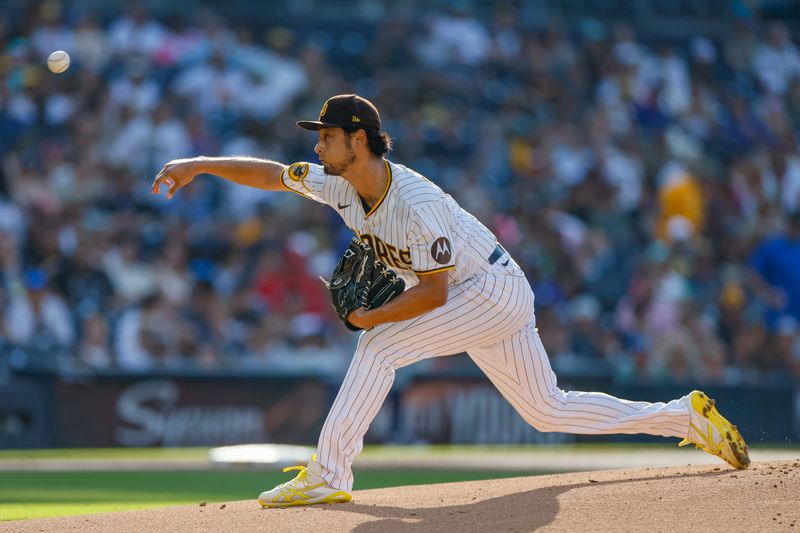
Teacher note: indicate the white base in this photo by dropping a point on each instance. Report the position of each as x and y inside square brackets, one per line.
[261, 454]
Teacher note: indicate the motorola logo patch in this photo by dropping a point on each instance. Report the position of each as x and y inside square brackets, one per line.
[442, 251]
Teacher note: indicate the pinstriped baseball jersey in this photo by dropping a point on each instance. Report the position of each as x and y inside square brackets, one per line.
[414, 227]
[489, 314]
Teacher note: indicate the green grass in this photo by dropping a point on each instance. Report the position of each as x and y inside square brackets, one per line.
[34, 494]
[40, 494]
[201, 454]
[131, 454]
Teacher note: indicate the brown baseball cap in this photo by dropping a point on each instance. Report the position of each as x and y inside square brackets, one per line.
[344, 111]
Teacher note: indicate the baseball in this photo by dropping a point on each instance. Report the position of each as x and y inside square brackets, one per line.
[58, 61]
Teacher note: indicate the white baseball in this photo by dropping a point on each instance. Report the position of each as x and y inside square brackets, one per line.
[58, 61]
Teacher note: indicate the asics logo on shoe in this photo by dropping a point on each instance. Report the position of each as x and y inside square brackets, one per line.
[290, 494]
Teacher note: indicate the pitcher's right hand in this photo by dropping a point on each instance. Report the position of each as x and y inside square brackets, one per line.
[176, 174]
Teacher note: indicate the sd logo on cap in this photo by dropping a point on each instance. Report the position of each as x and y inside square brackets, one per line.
[344, 111]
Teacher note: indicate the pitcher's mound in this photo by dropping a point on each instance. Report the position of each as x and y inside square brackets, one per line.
[713, 498]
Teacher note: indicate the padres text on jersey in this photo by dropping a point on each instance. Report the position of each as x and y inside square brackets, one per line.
[414, 227]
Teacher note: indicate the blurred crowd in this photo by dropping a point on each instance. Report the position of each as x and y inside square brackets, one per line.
[650, 188]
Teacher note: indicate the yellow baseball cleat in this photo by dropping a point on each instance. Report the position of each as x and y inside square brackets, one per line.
[307, 488]
[709, 431]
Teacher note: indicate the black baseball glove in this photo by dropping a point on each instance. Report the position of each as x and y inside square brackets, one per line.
[360, 279]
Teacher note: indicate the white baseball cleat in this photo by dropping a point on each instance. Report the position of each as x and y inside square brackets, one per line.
[307, 488]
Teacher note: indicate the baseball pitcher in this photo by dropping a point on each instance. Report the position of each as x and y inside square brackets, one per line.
[427, 279]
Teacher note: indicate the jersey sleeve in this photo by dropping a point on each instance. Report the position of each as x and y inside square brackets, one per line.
[431, 240]
[308, 180]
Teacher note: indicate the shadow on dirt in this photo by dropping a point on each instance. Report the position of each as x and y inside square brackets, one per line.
[523, 511]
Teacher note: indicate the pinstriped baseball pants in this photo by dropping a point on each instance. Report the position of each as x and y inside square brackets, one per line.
[491, 318]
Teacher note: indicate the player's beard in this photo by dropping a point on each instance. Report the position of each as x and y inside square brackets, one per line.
[340, 169]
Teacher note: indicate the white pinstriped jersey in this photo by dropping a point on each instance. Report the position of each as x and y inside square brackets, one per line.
[415, 228]
[489, 314]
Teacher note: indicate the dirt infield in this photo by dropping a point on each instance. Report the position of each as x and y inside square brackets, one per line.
[764, 498]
